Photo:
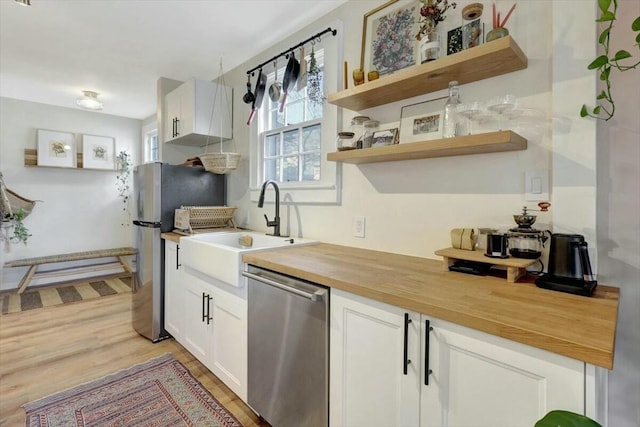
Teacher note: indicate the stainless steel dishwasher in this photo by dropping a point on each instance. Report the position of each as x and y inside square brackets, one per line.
[288, 368]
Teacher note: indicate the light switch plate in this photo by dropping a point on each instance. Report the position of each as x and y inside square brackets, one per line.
[536, 185]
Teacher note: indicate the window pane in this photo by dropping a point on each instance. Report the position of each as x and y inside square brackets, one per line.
[290, 145]
[277, 118]
[272, 145]
[314, 110]
[295, 112]
[271, 169]
[290, 169]
[311, 138]
[311, 167]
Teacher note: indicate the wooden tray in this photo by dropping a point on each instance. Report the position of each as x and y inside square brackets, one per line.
[516, 267]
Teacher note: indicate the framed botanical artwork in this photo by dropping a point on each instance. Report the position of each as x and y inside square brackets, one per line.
[381, 138]
[422, 121]
[389, 37]
[98, 152]
[56, 148]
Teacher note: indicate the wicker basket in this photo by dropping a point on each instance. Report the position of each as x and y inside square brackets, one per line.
[190, 217]
[219, 163]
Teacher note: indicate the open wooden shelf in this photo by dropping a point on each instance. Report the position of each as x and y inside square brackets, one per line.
[490, 59]
[491, 142]
[31, 159]
[516, 267]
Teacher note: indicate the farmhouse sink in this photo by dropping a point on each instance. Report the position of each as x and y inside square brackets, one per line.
[219, 255]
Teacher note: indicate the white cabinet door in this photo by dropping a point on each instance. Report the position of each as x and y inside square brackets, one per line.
[173, 292]
[173, 114]
[482, 380]
[229, 350]
[198, 324]
[368, 383]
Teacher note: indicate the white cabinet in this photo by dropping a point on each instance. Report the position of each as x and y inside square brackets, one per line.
[368, 384]
[188, 116]
[479, 380]
[476, 379]
[198, 325]
[228, 360]
[173, 291]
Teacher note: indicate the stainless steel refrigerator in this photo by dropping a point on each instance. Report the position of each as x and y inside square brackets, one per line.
[159, 189]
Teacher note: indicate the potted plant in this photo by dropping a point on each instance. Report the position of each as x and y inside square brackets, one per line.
[566, 419]
[123, 166]
[432, 12]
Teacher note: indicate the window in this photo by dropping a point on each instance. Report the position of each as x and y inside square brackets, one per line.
[291, 140]
[151, 146]
[291, 147]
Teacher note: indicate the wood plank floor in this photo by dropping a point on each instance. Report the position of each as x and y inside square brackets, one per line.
[48, 350]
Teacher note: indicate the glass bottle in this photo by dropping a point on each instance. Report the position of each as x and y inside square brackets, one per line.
[450, 122]
[357, 127]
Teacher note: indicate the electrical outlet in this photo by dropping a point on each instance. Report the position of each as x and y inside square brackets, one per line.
[358, 226]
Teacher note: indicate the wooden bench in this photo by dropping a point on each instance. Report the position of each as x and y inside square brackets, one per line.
[33, 264]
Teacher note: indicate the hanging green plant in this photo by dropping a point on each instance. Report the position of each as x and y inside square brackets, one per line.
[20, 232]
[605, 106]
[124, 164]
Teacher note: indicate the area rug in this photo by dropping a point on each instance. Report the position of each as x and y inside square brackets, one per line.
[158, 393]
[62, 294]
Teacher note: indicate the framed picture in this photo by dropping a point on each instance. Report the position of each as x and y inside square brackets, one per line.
[98, 152]
[56, 149]
[422, 121]
[389, 37]
[467, 36]
[384, 137]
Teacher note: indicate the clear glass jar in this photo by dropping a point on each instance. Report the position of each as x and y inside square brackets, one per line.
[357, 127]
[370, 126]
[346, 141]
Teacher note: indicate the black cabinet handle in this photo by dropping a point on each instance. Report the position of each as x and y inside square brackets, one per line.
[405, 366]
[206, 308]
[204, 301]
[173, 127]
[427, 335]
[178, 257]
[177, 121]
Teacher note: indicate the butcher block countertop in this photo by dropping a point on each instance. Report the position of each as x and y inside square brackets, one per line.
[578, 327]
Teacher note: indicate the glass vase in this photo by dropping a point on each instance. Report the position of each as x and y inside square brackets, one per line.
[429, 46]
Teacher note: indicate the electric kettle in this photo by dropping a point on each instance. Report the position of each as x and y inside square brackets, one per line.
[569, 266]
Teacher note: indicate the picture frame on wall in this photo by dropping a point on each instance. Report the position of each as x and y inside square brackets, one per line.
[98, 152]
[56, 148]
[388, 37]
[422, 121]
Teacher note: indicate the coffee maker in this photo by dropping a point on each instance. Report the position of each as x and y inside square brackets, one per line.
[569, 266]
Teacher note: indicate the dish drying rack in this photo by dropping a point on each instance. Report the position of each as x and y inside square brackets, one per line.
[188, 218]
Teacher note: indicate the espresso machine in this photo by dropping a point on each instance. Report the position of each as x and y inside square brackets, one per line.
[569, 266]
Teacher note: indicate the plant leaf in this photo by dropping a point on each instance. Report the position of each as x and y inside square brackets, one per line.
[606, 16]
[604, 75]
[602, 95]
[596, 110]
[635, 26]
[583, 113]
[603, 36]
[621, 54]
[638, 39]
[604, 5]
[566, 419]
[598, 62]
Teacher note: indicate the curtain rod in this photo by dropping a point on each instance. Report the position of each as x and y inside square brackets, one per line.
[291, 49]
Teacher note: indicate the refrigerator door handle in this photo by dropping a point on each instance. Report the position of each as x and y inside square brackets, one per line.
[147, 224]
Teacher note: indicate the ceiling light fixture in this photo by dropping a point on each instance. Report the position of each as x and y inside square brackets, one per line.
[90, 101]
[24, 2]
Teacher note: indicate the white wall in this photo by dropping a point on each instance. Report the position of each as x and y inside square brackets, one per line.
[618, 223]
[80, 209]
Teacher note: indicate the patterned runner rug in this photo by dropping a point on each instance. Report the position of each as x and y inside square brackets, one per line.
[160, 393]
[62, 294]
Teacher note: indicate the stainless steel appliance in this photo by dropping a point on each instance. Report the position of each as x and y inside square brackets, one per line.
[524, 240]
[288, 349]
[159, 189]
[569, 266]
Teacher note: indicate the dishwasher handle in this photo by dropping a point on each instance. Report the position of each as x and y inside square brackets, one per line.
[318, 295]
